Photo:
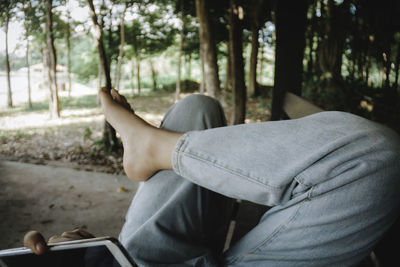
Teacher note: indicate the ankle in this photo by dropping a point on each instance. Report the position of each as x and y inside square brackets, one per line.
[164, 143]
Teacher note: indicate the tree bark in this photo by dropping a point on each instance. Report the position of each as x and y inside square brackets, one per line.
[109, 134]
[387, 64]
[138, 72]
[132, 76]
[98, 35]
[182, 36]
[260, 71]
[228, 71]
[311, 22]
[189, 67]
[253, 62]
[290, 42]
[9, 92]
[256, 20]
[137, 59]
[237, 65]
[27, 52]
[209, 50]
[51, 62]
[121, 49]
[28, 66]
[397, 68]
[203, 72]
[69, 51]
[153, 75]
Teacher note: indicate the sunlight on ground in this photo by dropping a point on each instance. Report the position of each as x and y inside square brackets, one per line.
[40, 119]
[20, 117]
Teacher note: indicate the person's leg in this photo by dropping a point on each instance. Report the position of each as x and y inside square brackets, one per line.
[171, 220]
[333, 179]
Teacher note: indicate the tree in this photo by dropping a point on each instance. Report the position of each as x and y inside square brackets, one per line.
[182, 38]
[68, 39]
[236, 14]
[259, 12]
[150, 33]
[290, 42]
[50, 62]
[27, 7]
[6, 13]
[109, 134]
[208, 49]
[121, 47]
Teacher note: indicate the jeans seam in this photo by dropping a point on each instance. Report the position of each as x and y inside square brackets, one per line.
[299, 180]
[178, 149]
[219, 165]
[274, 234]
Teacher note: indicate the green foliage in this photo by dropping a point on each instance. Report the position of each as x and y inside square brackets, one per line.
[84, 59]
[152, 31]
[87, 135]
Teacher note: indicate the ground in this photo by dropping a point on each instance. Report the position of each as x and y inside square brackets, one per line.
[56, 176]
[55, 199]
[29, 135]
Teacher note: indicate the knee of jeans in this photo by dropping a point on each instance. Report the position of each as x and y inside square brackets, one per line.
[200, 103]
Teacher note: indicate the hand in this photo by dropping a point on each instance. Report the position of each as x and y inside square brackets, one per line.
[36, 242]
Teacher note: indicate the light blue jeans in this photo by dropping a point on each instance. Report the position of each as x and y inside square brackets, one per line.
[332, 180]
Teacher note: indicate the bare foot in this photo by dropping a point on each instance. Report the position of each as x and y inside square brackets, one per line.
[147, 149]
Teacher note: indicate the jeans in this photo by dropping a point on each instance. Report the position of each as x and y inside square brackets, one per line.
[331, 178]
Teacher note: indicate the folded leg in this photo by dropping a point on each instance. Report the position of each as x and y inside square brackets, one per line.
[171, 220]
[333, 179]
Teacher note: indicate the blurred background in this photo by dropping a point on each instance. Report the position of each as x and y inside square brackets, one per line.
[56, 54]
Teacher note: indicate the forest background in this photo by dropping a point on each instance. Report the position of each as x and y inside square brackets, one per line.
[339, 54]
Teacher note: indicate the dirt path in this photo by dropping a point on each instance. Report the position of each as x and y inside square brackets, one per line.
[53, 200]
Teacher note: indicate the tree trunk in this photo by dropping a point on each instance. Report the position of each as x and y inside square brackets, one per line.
[69, 51]
[311, 22]
[209, 49]
[110, 40]
[137, 59]
[260, 72]
[9, 92]
[290, 41]
[397, 68]
[368, 64]
[100, 76]
[51, 62]
[253, 62]
[109, 135]
[98, 35]
[189, 67]
[138, 72]
[27, 52]
[387, 64]
[132, 79]
[237, 66]
[28, 66]
[153, 75]
[203, 72]
[121, 49]
[228, 71]
[182, 36]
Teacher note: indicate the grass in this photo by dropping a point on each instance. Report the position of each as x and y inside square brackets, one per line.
[85, 101]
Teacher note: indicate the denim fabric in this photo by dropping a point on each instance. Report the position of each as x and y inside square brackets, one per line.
[171, 221]
[332, 179]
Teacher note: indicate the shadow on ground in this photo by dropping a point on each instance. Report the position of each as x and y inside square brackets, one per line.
[53, 200]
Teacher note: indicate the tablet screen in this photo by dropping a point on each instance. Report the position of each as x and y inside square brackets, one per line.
[80, 257]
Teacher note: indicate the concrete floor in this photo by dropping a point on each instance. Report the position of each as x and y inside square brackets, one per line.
[54, 199]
